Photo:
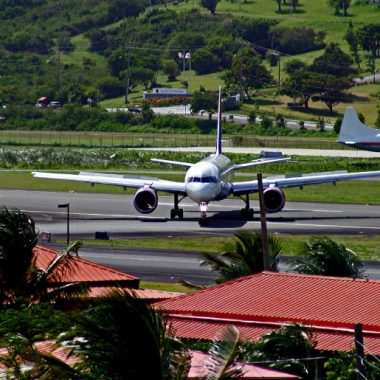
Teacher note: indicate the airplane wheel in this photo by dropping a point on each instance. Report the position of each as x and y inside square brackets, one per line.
[243, 213]
[203, 222]
[180, 213]
[172, 213]
[250, 214]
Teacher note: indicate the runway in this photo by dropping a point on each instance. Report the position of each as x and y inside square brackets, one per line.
[115, 214]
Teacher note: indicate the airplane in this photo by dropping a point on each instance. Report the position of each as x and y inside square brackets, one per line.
[209, 180]
[356, 134]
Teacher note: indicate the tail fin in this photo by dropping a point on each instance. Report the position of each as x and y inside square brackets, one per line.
[219, 124]
[353, 130]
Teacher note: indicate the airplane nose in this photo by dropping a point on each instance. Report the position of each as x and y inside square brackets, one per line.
[200, 192]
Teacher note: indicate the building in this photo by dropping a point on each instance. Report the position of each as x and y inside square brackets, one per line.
[165, 93]
[101, 280]
[266, 301]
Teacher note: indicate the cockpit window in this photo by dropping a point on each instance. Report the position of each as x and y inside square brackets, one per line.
[206, 179]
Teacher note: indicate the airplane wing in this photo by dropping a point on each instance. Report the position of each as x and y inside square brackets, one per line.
[117, 180]
[178, 163]
[260, 161]
[246, 187]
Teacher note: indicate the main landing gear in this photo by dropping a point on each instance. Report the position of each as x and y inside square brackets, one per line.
[176, 211]
[246, 212]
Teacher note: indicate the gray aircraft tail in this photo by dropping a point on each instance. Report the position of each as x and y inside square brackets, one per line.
[219, 124]
[354, 131]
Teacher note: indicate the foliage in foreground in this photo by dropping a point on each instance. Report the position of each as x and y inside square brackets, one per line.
[243, 256]
[324, 256]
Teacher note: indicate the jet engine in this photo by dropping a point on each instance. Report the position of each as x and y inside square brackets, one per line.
[145, 200]
[274, 199]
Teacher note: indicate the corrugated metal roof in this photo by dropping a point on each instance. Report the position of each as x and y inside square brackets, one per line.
[286, 298]
[149, 294]
[83, 270]
[328, 340]
[263, 302]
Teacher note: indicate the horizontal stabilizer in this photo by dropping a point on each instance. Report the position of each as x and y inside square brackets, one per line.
[170, 162]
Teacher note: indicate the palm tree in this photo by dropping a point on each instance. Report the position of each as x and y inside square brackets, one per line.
[19, 277]
[121, 337]
[286, 348]
[243, 256]
[324, 256]
[223, 354]
[18, 237]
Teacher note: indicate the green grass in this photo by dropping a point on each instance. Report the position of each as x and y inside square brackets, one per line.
[81, 50]
[164, 286]
[365, 246]
[361, 192]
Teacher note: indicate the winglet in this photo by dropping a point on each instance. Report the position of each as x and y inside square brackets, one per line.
[219, 124]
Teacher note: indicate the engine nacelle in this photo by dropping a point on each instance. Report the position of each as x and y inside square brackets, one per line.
[145, 200]
[274, 199]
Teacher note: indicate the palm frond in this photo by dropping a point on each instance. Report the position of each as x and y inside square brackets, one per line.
[222, 354]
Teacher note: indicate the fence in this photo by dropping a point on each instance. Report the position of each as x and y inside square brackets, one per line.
[99, 139]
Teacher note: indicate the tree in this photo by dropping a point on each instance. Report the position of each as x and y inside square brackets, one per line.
[324, 256]
[203, 101]
[170, 68]
[339, 5]
[333, 61]
[294, 342]
[242, 257]
[279, 2]
[369, 37]
[18, 237]
[247, 72]
[19, 277]
[301, 86]
[377, 122]
[117, 334]
[204, 62]
[294, 65]
[332, 90]
[222, 355]
[352, 39]
[210, 5]
[138, 75]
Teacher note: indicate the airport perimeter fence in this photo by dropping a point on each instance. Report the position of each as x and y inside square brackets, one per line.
[135, 140]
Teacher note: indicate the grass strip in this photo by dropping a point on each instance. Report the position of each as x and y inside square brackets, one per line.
[365, 246]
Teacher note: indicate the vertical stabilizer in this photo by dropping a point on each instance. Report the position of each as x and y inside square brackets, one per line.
[219, 124]
[354, 131]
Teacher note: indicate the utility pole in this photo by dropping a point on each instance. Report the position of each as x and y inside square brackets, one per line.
[359, 350]
[127, 76]
[264, 230]
[59, 69]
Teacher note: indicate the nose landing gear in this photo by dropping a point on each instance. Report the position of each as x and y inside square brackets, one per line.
[203, 221]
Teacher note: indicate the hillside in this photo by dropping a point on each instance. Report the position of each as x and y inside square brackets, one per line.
[73, 50]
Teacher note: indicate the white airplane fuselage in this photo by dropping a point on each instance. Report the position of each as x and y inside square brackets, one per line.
[208, 180]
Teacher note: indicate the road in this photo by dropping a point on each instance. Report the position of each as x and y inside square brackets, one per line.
[115, 214]
[236, 118]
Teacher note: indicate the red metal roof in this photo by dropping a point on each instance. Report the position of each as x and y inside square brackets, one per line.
[148, 294]
[266, 300]
[84, 270]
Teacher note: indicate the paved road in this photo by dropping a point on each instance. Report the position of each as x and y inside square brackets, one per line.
[115, 214]
[236, 118]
